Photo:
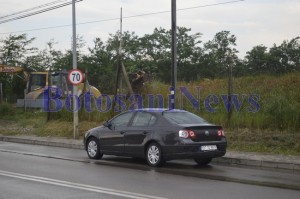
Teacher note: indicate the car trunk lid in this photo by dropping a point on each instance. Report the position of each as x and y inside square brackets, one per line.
[204, 133]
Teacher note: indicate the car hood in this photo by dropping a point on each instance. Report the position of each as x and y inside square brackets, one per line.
[96, 129]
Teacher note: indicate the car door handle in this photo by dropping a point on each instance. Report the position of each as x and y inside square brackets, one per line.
[145, 132]
[122, 132]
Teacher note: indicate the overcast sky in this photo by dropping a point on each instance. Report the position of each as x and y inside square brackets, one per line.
[253, 22]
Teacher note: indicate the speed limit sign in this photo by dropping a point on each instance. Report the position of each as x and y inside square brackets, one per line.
[75, 76]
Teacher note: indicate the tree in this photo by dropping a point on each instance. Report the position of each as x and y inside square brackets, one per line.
[219, 50]
[293, 52]
[15, 48]
[189, 53]
[64, 61]
[130, 47]
[155, 54]
[100, 67]
[49, 56]
[257, 60]
[286, 57]
[14, 51]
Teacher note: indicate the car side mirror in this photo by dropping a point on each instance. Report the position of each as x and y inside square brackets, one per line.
[107, 124]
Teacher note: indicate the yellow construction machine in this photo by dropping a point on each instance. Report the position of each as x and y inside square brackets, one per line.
[38, 81]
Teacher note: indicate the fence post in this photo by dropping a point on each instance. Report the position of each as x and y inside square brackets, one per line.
[1, 93]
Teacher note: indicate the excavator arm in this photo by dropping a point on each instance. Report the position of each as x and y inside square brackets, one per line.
[14, 70]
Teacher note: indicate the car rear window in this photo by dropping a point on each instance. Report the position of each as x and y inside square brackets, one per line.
[183, 118]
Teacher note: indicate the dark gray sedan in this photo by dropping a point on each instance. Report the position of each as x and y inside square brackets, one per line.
[158, 135]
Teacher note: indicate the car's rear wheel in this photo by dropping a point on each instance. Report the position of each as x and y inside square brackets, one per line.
[202, 161]
[93, 149]
[154, 155]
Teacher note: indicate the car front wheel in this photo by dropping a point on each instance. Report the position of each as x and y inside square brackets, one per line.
[93, 149]
[154, 155]
[202, 161]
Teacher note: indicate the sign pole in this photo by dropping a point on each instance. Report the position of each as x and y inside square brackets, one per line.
[75, 116]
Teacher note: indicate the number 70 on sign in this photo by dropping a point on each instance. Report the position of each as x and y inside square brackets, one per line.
[75, 76]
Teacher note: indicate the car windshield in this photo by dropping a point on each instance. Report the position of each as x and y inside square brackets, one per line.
[183, 118]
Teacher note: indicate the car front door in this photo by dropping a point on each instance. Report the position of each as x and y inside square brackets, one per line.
[138, 132]
[112, 139]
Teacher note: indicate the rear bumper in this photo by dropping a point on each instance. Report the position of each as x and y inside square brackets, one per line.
[193, 151]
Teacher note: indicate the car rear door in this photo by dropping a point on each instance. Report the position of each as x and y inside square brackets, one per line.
[138, 133]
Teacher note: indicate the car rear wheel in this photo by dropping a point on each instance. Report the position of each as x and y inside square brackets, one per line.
[202, 161]
[154, 155]
[93, 149]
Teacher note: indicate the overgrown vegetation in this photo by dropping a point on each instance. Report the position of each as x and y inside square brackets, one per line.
[274, 128]
[34, 122]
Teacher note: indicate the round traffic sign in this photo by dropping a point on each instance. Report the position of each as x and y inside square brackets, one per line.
[75, 76]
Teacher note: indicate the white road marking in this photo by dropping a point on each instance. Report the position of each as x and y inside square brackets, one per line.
[79, 186]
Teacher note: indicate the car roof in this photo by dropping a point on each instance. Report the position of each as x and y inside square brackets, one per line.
[159, 110]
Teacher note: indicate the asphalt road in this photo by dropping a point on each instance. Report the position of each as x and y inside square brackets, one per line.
[28, 171]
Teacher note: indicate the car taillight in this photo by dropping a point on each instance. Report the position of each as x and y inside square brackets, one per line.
[187, 134]
[221, 133]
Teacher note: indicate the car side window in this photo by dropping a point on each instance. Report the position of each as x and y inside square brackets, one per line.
[121, 120]
[143, 119]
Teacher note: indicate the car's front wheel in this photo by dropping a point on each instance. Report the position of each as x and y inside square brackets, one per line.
[93, 149]
[154, 155]
[202, 161]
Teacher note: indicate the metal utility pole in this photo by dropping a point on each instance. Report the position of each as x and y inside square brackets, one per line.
[119, 81]
[174, 55]
[75, 116]
[121, 67]
[230, 63]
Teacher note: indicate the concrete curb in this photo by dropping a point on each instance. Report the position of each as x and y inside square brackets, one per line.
[267, 164]
[237, 159]
[43, 142]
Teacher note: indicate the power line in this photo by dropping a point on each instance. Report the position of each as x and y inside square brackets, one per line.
[30, 9]
[38, 12]
[126, 17]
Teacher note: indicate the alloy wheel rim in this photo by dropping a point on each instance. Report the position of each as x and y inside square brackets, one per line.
[153, 154]
[92, 148]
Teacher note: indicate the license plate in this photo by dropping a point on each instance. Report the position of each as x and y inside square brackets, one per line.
[208, 148]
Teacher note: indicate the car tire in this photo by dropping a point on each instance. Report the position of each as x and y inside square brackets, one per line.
[202, 161]
[93, 149]
[154, 155]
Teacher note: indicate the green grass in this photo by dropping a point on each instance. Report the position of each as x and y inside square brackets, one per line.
[266, 141]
